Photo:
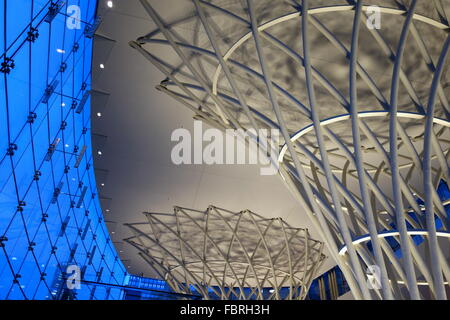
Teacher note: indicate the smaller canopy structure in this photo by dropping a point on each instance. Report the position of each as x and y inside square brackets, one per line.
[228, 255]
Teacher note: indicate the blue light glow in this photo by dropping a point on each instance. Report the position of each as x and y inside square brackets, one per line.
[50, 215]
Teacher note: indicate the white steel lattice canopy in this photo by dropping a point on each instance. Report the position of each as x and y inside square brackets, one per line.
[363, 113]
[231, 254]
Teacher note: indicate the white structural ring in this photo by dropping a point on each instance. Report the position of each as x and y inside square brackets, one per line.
[388, 234]
[327, 9]
[366, 114]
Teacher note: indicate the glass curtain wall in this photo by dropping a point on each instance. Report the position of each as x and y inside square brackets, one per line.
[52, 230]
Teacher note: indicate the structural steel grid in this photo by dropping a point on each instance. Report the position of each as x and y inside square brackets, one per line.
[358, 90]
[228, 255]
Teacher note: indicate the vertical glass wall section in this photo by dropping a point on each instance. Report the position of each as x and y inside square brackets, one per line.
[141, 288]
[51, 224]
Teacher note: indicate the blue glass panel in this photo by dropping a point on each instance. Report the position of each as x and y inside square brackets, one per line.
[42, 213]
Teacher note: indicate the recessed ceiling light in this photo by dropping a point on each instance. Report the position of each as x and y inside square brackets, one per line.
[63, 104]
[66, 145]
[102, 184]
[99, 114]
[109, 4]
[102, 66]
[60, 51]
[107, 210]
[99, 153]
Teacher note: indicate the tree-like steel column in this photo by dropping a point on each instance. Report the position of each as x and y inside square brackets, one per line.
[363, 112]
[227, 254]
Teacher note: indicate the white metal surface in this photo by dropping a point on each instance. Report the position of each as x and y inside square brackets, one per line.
[238, 254]
[362, 150]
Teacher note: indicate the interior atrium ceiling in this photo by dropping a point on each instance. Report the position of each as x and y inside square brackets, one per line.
[344, 103]
[361, 106]
[132, 124]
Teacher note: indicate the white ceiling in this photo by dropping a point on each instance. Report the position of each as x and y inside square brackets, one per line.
[135, 164]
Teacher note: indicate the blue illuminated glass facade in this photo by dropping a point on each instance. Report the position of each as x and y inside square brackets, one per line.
[141, 288]
[50, 215]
